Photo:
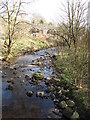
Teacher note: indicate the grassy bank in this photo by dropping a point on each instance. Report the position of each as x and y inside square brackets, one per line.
[23, 45]
[26, 45]
[67, 73]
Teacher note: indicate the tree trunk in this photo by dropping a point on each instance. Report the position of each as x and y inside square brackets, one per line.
[9, 47]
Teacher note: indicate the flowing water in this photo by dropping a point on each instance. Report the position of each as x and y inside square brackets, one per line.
[15, 103]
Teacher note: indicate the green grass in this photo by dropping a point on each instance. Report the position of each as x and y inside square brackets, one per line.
[26, 44]
[65, 61]
[38, 42]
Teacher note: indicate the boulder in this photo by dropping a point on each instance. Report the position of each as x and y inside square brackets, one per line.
[75, 115]
[37, 76]
[63, 104]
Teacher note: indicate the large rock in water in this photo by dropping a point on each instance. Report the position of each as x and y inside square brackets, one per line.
[38, 76]
[70, 103]
[63, 104]
[75, 115]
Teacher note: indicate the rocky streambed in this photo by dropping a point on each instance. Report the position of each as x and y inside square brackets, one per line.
[31, 89]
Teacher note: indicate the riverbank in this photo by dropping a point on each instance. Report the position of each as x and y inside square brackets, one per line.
[79, 95]
[25, 45]
[28, 50]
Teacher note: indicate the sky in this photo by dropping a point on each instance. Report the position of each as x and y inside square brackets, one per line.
[51, 10]
[48, 9]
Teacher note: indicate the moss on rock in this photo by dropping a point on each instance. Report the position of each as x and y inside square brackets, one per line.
[37, 76]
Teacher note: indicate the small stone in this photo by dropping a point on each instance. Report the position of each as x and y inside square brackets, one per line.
[15, 68]
[63, 97]
[14, 72]
[9, 81]
[70, 103]
[40, 94]
[65, 92]
[63, 104]
[23, 81]
[60, 93]
[32, 60]
[56, 111]
[52, 88]
[39, 71]
[12, 82]
[29, 93]
[54, 56]
[47, 82]
[27, 77]
[46, 96]
[59, 88]
[11, 78]
[53, 96]
[48, 90]
[49, 116]
[67, 98]
[75, 115]
[48, 78]
[10, 87]
[56, 100]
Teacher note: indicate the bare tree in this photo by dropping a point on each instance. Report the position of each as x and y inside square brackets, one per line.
[75, 22]
[10, 10]
[74, 27]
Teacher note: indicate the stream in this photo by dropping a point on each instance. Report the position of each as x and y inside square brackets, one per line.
[15, 103]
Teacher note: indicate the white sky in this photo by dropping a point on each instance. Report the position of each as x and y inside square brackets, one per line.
[49, 9]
